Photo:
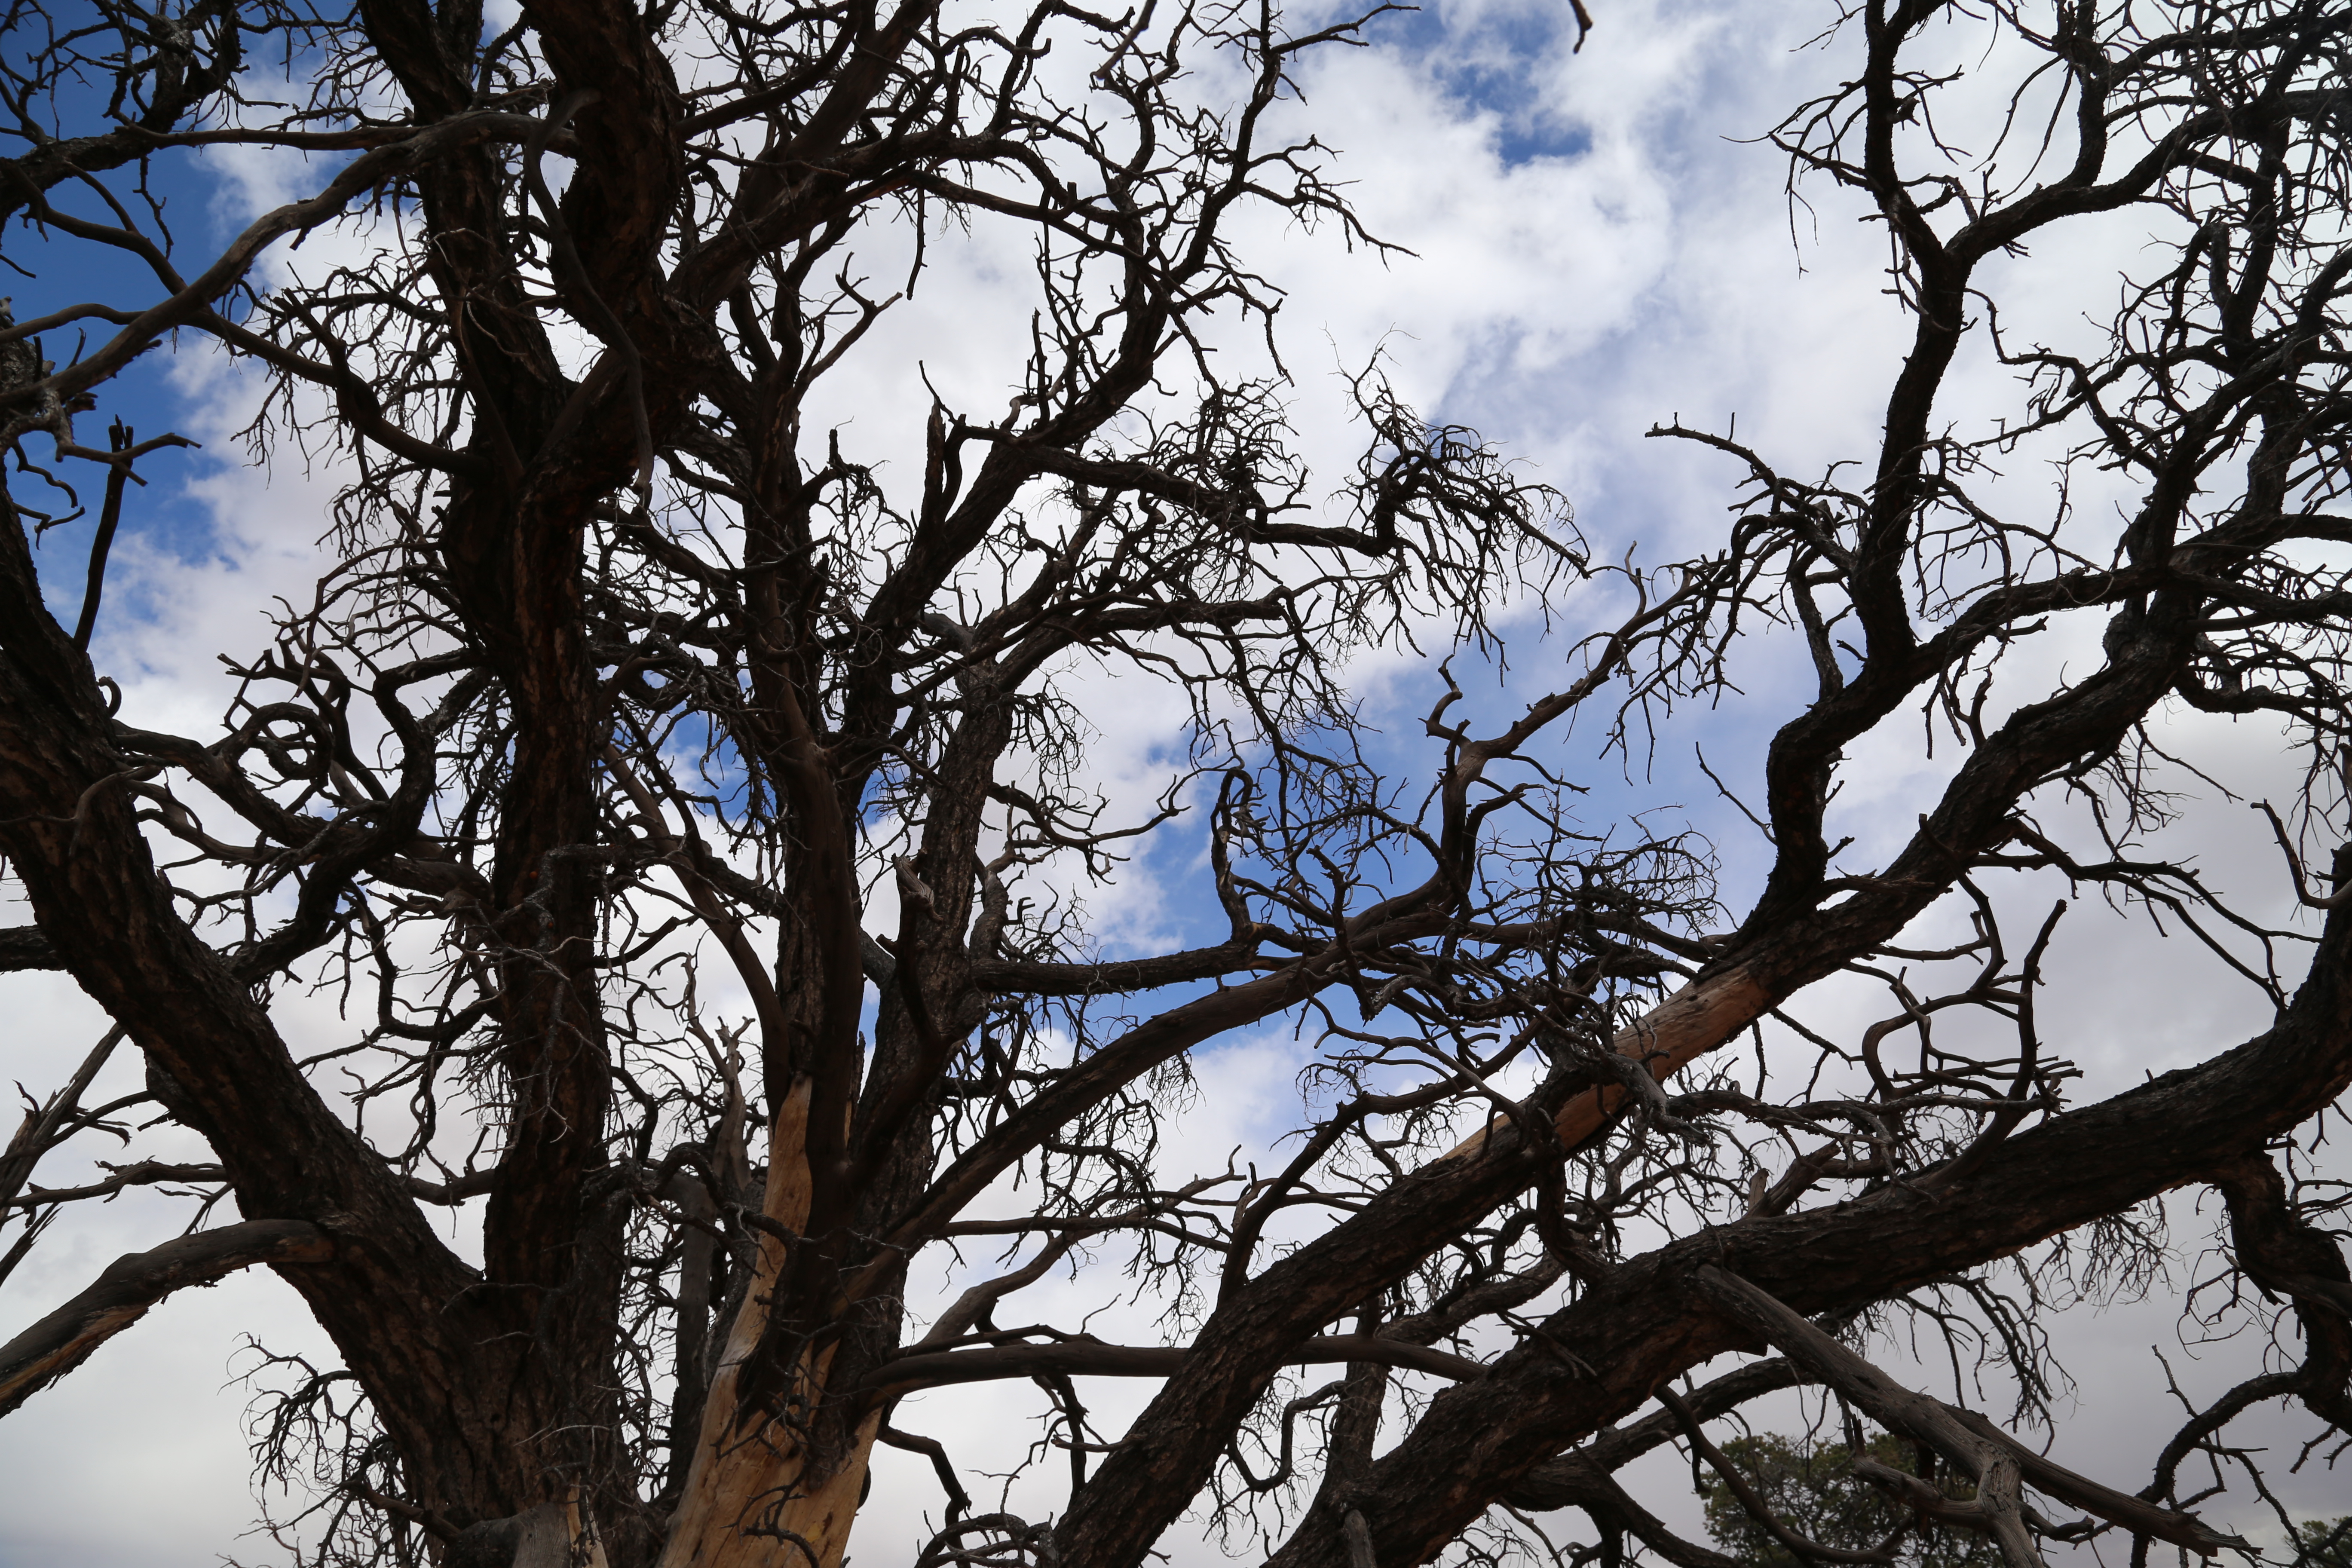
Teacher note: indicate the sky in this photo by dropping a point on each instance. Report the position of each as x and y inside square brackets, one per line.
[1594, 242]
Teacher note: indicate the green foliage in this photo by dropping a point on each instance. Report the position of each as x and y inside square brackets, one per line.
[1811, 1488]
[2324, 1544]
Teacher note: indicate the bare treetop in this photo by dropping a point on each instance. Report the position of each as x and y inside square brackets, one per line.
[685, 789]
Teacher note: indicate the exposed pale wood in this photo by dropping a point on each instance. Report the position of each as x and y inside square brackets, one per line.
[749, 1472]
[1670, 1036]
[551, 1535]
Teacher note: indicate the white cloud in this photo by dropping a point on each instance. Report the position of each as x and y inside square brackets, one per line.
[1562, 300]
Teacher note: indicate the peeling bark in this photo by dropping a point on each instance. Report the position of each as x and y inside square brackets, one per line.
[755, 1486]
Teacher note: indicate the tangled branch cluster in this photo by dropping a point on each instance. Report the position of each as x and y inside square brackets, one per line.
[682, 791]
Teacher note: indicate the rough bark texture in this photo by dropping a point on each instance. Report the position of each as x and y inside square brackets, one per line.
[636, 660]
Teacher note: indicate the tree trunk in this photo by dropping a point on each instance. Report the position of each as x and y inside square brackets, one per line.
[754, 1483]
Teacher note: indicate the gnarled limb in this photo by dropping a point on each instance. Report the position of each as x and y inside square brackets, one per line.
[2285, 1255]
[25, 947]
[1994, 1458]
[135, 1282]
[1640, 1324]
[43, 1128]
[1083, 1359]
[668, 547]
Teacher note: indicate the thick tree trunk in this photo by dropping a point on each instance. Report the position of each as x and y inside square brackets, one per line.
[755, 1487]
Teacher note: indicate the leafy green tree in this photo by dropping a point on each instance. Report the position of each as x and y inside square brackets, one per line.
[1811, 1488]
[2320, 1543]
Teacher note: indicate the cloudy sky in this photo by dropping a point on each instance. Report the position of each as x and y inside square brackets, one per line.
[1595, 243]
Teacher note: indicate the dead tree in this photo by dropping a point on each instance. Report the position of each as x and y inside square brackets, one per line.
[630, 668]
